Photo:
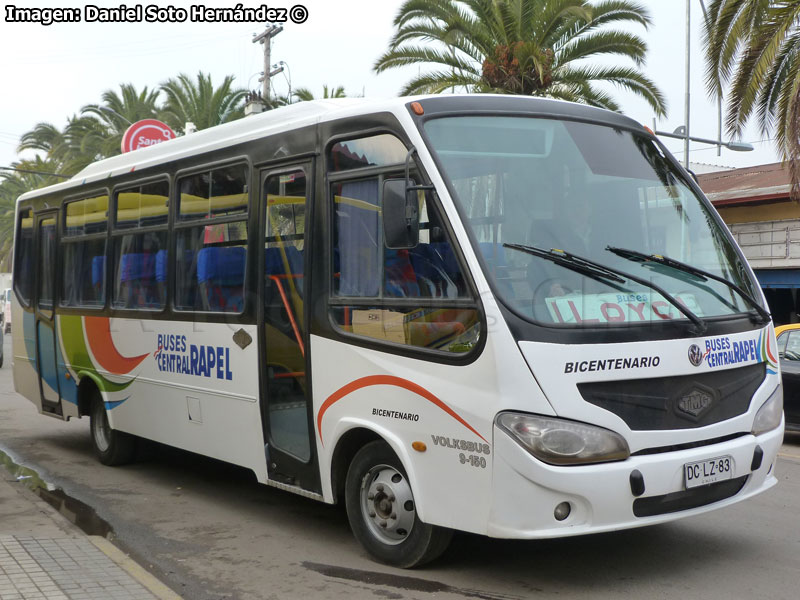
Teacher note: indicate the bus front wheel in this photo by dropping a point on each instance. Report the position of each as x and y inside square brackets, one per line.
[110, 446]
[382, 512]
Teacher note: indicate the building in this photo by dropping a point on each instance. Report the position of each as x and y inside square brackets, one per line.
[755, 204]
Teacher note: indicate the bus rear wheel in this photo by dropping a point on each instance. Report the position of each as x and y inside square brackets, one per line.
[382, 511]
[110, 446]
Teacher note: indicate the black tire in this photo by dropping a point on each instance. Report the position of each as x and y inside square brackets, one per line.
[377, 497]
[110, 446]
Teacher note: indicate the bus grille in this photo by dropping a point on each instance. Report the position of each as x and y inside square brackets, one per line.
[686, 499]
[683, 402]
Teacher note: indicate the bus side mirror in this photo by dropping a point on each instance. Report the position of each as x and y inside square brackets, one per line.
[400, 214]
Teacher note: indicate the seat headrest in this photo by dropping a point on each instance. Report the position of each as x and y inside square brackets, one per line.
[223, 266]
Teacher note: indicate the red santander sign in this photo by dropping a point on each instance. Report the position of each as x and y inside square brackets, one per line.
[145, 133]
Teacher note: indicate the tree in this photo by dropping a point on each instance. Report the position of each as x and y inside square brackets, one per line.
[114, 115]
[201, 103]
[66, 149]
[530, 47]
[753, 48]
[96, 133]
[12, 185]
[304, 94]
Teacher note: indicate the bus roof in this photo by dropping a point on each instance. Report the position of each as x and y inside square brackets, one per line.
[311, 112]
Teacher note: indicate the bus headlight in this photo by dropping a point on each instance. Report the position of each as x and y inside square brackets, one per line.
[769, 416]
[562, 442]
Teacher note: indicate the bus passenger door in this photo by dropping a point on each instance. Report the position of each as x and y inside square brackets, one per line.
[44, 316]
[285, 378]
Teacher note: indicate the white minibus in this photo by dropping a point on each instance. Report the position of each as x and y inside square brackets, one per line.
[505, 315]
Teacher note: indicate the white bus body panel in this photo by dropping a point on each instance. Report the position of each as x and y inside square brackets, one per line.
[23, 346]
[182, 383]
[207, 405]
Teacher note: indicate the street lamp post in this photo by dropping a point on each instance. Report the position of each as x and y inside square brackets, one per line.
[686, 109]
[680, 134]
[113, 112]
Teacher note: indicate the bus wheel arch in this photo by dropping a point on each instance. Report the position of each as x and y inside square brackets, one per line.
[381, 508]
[111, 446]
[88, 389]
[346, 448]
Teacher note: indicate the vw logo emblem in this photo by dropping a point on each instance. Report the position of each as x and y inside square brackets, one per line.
[695, 355]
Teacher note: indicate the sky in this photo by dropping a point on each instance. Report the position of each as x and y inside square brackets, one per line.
[51, 71]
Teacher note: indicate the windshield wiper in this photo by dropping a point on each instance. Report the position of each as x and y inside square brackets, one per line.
[637, 256]
[604, 273]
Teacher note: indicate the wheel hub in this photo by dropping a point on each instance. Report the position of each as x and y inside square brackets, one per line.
[387, 504]
[101, 428]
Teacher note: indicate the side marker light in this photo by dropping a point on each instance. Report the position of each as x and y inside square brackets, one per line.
[419, 446]
[562, 511]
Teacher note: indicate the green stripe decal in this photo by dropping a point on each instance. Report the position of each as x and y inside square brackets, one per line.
[78, 358]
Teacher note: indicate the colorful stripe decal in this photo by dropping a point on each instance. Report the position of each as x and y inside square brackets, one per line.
[767, 355]
[77, 354]
[98, 333]
[387, 380]
[115, 404]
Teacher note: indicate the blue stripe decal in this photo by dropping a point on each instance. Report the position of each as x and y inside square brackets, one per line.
[113, 405]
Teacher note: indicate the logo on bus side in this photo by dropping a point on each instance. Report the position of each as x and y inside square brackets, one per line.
[174, 355]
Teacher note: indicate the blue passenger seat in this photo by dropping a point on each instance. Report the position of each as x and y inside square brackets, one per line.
[98, 276]
[161, 275]
[138, 281]
[220, 277]
[401, 279]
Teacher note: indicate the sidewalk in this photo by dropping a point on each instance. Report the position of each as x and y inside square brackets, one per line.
[44, 556]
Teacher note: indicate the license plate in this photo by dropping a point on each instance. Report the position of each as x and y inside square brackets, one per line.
[708, 471]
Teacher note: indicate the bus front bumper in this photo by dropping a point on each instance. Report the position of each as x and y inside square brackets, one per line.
[601, 497]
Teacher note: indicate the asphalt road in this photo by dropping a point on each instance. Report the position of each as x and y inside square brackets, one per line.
[210, 531]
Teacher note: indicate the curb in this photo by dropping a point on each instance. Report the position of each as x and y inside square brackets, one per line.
[134, 569]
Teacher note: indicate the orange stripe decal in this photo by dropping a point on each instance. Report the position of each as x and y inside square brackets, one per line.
[98, 334]
[388, 380]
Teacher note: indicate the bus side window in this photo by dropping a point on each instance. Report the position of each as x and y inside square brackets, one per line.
[403, 296]
[135, 252]
[83, 249]
[211, 253]
[23, 256]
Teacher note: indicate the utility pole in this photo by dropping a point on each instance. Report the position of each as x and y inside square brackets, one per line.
[265, 37]
[688, 83]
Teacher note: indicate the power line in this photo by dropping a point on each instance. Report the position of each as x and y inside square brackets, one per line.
[35, 172]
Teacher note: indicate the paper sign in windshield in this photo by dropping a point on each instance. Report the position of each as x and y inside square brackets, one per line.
[618, 308]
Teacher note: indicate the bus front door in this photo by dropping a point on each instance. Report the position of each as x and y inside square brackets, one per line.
[285, 378]
[44, 317]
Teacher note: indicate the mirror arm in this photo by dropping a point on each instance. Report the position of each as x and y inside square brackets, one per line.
[410, 188]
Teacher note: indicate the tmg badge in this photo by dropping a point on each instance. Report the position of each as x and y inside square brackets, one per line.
[695, 403]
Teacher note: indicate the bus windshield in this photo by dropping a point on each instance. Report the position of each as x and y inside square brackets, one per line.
[583, 224]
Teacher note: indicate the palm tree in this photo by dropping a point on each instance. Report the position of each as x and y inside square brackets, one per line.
[304, 94]
[68, 149]
[531, 47]
[201, 103]
[12, 185]
[753, 47]
[96, 133]
[115, 114]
